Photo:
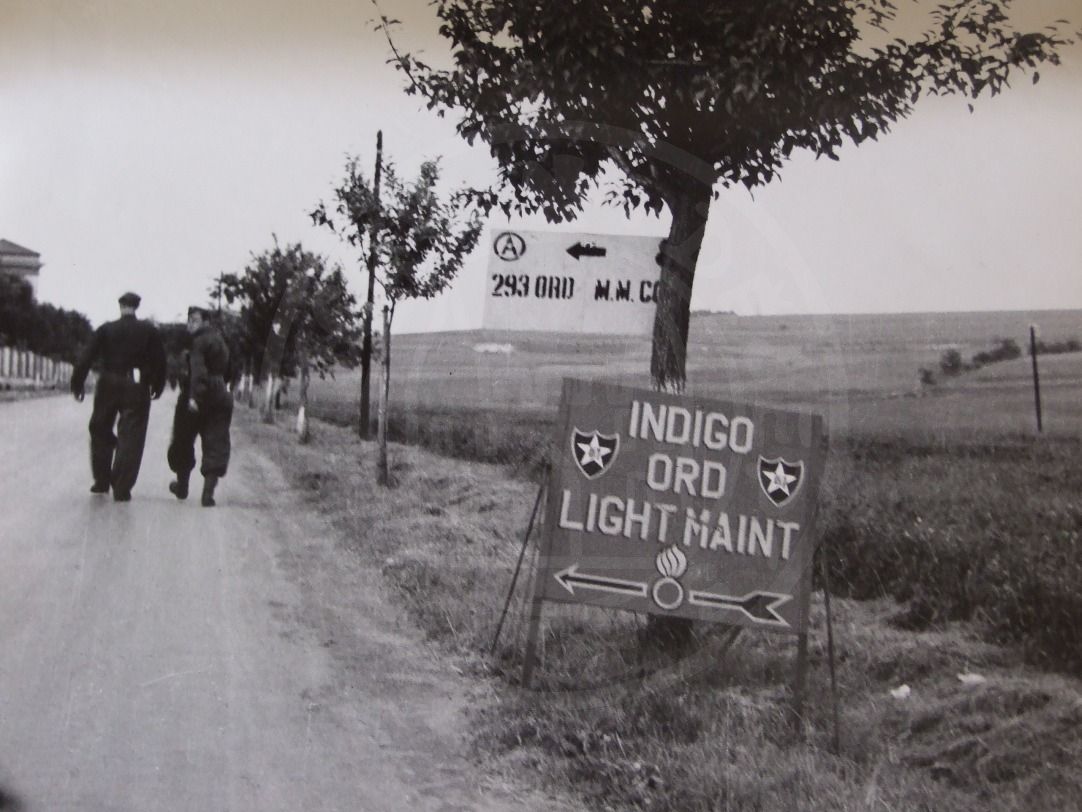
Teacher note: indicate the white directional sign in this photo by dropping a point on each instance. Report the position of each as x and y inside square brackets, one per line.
[571, 283]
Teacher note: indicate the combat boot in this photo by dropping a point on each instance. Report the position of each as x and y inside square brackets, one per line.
[179, 489]
[209, 482]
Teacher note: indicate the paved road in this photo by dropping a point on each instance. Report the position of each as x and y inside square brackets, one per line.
[157, 655]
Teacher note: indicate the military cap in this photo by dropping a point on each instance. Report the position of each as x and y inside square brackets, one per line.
[202, 311]
[130, 299]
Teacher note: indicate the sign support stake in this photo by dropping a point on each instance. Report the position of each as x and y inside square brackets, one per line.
[530, 661]
[730, 639]
[800, 668]
[800, 674]
[537, 600]
[518, 567]
[825, 565]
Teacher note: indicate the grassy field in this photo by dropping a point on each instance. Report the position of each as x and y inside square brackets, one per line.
[631, 727]
[861, 372]
[954, 531]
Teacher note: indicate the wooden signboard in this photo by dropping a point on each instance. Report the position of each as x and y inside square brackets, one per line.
[682, 506]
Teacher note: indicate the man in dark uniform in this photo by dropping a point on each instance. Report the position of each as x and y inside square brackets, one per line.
[204, 408]
[132, 372]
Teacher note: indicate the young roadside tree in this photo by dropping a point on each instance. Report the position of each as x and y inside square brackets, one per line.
[357, 220]
[426, 240]
[681, 98]
[416, 241]
[294, 314]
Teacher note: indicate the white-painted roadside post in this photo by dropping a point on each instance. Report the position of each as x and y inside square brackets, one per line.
[268, 401]
[303, 433]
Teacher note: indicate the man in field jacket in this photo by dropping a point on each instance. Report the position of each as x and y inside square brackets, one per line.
[132, 372]
[204, 408]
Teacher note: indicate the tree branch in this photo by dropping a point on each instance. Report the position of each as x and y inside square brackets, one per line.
[403, 62]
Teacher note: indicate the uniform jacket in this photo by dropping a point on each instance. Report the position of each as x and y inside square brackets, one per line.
[122, 346]
[208, 365]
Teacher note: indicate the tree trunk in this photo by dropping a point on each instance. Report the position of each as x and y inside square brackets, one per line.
[302, 412]
[366, 370]
[668, 361]
[384, 401]
[268, 403]
[250, 383]
[679, 255]
[366, 342]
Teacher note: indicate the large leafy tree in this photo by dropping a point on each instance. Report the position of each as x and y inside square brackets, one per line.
[684, 98]
[416, 240]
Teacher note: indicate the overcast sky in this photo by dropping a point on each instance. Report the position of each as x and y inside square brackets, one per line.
[151, 145]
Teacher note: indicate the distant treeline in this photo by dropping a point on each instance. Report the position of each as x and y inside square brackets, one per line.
[1057, 347]
[951, 362]
[42, 328]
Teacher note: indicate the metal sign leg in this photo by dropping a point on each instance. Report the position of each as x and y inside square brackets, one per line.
[518, 568]
[531, 640]
[800, 669]
[836, 740]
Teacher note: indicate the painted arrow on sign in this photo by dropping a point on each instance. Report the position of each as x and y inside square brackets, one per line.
[571, 577]
[759, 606]
[579, 250]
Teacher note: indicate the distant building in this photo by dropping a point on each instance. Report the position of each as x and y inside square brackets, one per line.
[15, 259]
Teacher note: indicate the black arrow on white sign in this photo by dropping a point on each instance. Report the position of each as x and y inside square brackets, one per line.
[759, 606]
[579, 250]
[571, 577]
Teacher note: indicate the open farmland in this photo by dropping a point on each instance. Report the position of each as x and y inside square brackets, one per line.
[861, 371]
[932, 717]
[951, 532]
[938, 496]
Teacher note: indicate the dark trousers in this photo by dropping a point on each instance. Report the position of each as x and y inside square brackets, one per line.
[211, 425]
[115, 458]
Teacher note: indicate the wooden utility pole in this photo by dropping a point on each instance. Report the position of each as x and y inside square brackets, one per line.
[366, 342]
[1036, 376]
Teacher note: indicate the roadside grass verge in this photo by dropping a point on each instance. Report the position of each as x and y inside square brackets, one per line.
[632, 728]
[505, 437]
[989, 532]
[985, 531]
